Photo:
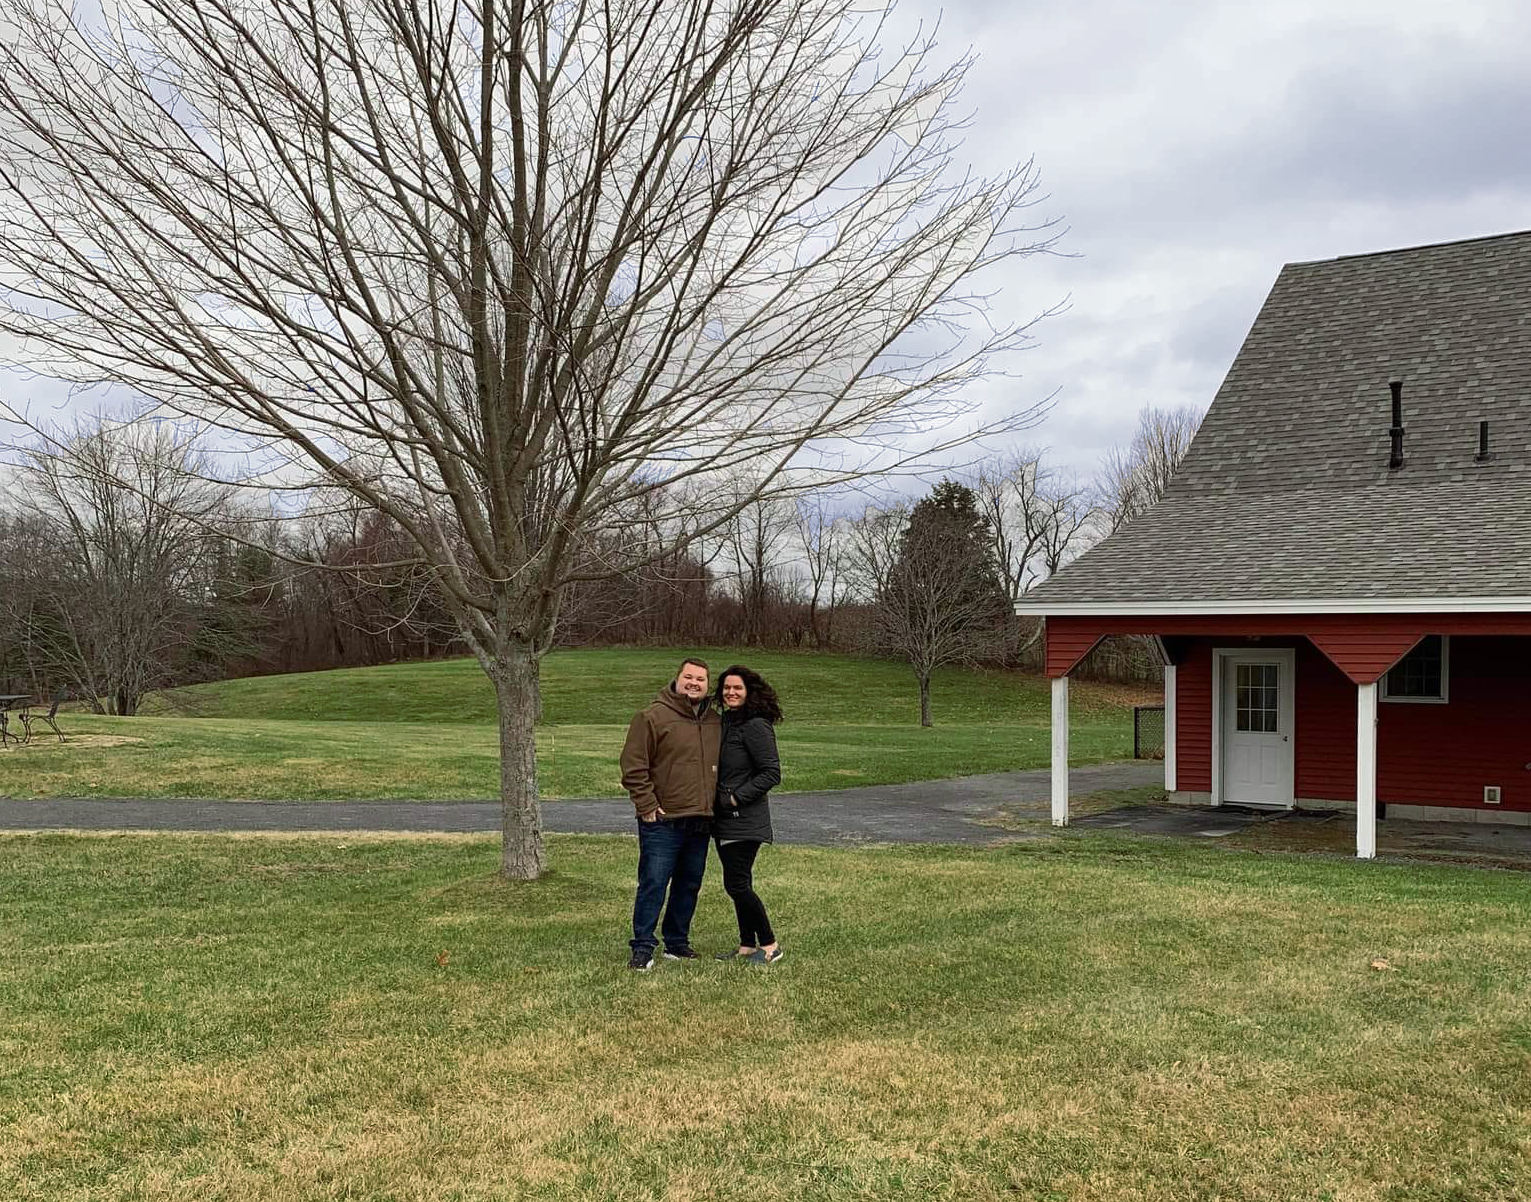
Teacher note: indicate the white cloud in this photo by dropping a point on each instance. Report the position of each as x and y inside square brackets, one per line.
[1194, 149]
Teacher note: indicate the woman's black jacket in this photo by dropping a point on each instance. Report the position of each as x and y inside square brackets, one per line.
[747, 768]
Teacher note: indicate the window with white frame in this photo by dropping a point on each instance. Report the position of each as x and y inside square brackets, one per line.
[1421, 675]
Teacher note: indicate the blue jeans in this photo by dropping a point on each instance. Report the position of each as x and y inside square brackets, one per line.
[672, 854]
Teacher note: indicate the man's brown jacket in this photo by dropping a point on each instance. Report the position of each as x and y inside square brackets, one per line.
[670, 759]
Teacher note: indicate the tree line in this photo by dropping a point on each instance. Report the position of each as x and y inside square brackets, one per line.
[126, 568]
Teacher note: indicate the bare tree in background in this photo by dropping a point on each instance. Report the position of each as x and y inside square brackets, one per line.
[940, 599]
[1037, 516]
[500, 270]
[24, 546]
[820, 534]
[1133, 478]
[641, 586]
[757, 536]
[1063, 520]
[871, 548]
[124, 592]
[1007, 492]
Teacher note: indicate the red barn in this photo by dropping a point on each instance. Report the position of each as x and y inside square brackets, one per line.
[1340, 573]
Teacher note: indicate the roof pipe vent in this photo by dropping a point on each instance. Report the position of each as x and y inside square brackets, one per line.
[1395, 459]
[1482, 455]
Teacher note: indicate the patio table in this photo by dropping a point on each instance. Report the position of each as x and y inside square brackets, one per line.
[8, 702]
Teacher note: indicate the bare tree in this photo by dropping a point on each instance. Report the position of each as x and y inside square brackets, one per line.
[940, 600]
[872, 540]
[1063, 514]
[820, 536]
[1036, 513]
[1008, 495]
[500, 270]
[24, 546]
[642, 587]
[1133, 478]
[121, 590]
[757, 536]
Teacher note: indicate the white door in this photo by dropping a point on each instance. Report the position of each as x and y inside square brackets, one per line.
[1256, 703]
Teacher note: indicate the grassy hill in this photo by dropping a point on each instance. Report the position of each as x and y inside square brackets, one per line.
[427, 730]
[595, 686]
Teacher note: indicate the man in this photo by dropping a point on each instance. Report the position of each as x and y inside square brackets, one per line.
[670, 769]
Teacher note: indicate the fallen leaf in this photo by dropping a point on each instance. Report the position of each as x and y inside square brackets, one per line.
[442, 958]
[1383, 966]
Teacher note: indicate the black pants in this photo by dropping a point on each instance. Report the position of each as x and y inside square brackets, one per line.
[738, 862]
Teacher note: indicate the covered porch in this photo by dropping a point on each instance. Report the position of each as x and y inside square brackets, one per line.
[1277, 709]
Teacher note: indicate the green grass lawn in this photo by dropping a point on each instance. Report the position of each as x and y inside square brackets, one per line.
[427, 730]
[1078, 1018]
[601, 685]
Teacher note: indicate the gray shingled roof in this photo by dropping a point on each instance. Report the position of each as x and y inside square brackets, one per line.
[1285, 494]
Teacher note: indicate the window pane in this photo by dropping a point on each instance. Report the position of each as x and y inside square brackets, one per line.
[1257, 688]
[1419, 673]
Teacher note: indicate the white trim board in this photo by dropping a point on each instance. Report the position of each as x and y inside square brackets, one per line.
[1348, 605]
[1171, 718]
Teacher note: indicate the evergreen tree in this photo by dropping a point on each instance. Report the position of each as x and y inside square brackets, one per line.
[943, 600]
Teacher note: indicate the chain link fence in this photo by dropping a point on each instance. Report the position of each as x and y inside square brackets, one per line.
[1148, 732]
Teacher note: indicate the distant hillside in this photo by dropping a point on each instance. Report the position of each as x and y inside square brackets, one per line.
[606, 685]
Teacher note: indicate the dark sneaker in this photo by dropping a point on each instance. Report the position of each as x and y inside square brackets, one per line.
[735, 954]
[761, 956]
[641, 961]
[680, 953]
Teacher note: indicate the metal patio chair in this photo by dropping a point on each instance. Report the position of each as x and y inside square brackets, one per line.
[50, 718]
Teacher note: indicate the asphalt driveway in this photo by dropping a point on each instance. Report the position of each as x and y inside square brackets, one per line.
[972, 810]
[943, 811]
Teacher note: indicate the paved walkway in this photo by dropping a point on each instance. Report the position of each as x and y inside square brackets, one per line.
[1486, 843]
[942, 811]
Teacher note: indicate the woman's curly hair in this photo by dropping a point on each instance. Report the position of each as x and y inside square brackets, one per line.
[759, 698]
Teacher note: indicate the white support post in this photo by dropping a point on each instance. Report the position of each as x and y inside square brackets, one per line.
[1366, 771]
[1060, 751]
[1169, 728]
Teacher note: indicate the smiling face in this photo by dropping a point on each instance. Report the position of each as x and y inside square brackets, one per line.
[691, 683]
[734, 692]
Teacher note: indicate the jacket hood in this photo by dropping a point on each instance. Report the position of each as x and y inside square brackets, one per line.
[669, 697]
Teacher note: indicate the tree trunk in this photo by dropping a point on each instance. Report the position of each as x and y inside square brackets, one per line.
[518, 691]
[925, 699]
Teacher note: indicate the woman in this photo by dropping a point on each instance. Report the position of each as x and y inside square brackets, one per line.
[741, 817]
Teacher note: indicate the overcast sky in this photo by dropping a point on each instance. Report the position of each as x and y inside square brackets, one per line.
[1193, 147]
[1190, 148]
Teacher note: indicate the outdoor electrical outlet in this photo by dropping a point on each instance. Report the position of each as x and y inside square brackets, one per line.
[1490, 795]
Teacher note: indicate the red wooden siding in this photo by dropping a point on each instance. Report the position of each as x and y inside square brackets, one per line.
[1439, 755]
[1363, 645]
[1325, 738]
[1193, 717]
[1068, 644]
[1445, 754]
[1365, 654]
